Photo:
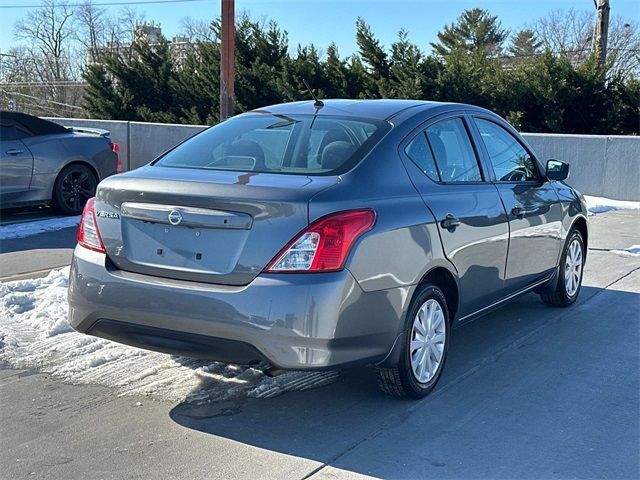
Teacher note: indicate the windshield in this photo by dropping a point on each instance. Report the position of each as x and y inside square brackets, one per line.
[263, 142]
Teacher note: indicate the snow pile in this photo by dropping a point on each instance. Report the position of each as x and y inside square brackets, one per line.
[26, 229]
[34, 333]
[633, 250]
[602, 205]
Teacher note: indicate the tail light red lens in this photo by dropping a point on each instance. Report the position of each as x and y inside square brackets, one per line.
[88, 233]
[325, 244]
[115, 148]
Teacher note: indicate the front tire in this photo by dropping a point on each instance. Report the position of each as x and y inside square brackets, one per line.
[75, 185]
[569, 274]
[423, 349]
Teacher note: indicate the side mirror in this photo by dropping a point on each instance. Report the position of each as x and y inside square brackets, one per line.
[557, 170]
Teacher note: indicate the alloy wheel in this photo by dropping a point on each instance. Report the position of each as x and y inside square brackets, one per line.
[77, 186]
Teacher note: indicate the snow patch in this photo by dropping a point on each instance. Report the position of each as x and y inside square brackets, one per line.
[633, 250]
[35, 334]
[26, 229]
[602, 205]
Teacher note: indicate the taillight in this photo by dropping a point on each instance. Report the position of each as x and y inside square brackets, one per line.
[325, 244]
[115, 148]
[88, 234]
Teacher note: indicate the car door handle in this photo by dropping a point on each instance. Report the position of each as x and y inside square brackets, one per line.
[518, 211]
[14, 151]
[450, 221]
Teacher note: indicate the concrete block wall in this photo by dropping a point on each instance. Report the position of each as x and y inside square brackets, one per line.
[140, 142]
[148, 140]
[601, 165]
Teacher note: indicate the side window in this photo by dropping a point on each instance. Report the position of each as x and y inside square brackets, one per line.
[419, 152]
[13, 131]
[511, 162]
[451, 147]
[8, 132]
[22, 131]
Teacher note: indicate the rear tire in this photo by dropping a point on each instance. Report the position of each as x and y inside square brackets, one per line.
[75, 184]
[570, 273]
[423, 349]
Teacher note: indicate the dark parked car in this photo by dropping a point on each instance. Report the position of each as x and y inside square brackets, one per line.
[301, 236]
[42, 162]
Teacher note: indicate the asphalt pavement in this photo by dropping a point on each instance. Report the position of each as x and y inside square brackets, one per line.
[528, 392]
[34, 256]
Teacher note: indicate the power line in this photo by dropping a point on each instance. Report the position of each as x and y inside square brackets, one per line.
[105, 4]
[52, 83]
[67, 105]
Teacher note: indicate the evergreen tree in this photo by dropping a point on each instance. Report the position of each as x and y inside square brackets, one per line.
[537, 93]
[100, 98]
[336, 73]
[405, 72]
[375, 58]
[474, 30]
[198, 85]
[524, 44]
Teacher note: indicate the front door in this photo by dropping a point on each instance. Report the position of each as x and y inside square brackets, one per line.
[472, 222]
[532, 204]
[16, 163]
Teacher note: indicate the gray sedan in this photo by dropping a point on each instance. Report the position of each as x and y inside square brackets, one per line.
[319, 236]
[42, 162]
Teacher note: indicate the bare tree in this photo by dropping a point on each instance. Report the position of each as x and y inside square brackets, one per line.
[624, 48]
[566, 32]
[196, 30]
[129, 18]
[47, 31]
[91, 34]
[570, 33]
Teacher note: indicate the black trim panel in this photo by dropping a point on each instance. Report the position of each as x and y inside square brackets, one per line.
[177, 343]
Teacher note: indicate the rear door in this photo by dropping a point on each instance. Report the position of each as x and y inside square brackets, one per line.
[16, 161]
[532, 204]
[473, 224]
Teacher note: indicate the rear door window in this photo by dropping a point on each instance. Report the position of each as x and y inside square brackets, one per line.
[419, 151]
[454, 155]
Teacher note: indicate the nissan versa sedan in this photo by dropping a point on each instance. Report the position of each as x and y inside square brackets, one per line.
[325, 235]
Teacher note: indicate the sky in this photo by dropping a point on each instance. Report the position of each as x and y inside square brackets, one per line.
[326, 21]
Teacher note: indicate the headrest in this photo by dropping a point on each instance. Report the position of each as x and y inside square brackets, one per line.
[336, 153]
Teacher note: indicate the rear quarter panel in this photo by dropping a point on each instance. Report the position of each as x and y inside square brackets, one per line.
[51, 153]
[404, 244]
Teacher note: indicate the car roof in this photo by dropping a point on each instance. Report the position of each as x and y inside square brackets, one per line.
[36, 125]
[381, 109]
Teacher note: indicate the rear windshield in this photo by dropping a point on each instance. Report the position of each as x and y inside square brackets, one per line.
[263, 142]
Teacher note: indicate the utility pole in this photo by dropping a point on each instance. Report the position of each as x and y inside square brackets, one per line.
[601, 30]
[227, 59]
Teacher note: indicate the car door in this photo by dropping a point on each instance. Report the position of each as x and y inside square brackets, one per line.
[16, 161]
[473, 224]
[532, 204]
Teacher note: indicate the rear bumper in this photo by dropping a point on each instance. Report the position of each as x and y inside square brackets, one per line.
[291, 321]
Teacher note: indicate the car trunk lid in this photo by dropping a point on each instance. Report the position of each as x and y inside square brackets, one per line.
[209, 226]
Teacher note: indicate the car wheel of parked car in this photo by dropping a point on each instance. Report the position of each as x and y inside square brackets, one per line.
[74, 186]
[424, 346]
[570, 273]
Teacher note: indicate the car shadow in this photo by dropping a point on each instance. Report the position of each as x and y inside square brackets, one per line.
[55, 239]
[322, 423]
